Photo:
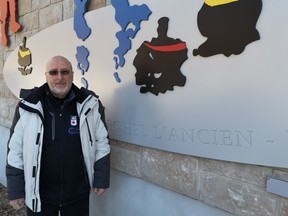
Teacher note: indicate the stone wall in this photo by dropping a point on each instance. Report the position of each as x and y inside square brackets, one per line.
[236, 188]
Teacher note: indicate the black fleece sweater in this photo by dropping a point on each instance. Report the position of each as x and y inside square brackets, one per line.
[63, 177]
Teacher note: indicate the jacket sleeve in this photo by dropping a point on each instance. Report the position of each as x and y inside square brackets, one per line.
[102, 164]
[102, 172]
[14, 166]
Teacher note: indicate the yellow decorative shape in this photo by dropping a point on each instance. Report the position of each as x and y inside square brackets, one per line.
[24, 53]
[218, 2]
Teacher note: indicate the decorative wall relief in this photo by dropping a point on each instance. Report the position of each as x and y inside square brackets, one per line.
[158, 62]
[80, 25]
[232, 109]
[8, 7]
[82, 59]
[82, 31]
[229, 25]
[125, 16]
[24, 59]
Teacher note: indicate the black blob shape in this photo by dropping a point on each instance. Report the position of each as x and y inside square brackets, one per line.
[229, 28]
[158, 62]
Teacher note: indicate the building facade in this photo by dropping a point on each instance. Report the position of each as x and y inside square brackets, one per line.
[228, 188]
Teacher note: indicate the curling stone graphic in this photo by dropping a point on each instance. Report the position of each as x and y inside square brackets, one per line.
[229, 25]
[158, 62]
[24, 59]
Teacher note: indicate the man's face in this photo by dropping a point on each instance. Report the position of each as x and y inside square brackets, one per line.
[59, 76]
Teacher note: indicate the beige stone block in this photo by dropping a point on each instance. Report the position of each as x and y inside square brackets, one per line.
[253, 174]
[30, 22]
[69, 9]
[112, 142]
[2, 89]
[2, 50]
[94, 4]
[39, 4]
[128, 146]
[5, 54]
[173, 171]
[281, 174]
[2, 121]
[19, 39]
[12, 102]
[7, 123]
[108, 2]
[50, 15]
[7, 92]
[11, 41]
[11, 113]
[1, 66]
[24, 7]
[239, 198]
[284, 207]
[4, 108]
[125, 160]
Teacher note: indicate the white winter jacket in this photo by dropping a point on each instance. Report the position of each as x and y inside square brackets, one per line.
[25, 145]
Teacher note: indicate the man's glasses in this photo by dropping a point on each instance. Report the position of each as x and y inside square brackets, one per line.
[56, 72]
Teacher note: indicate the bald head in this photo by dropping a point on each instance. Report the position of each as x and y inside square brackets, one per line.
[59, 76]
[56, 59]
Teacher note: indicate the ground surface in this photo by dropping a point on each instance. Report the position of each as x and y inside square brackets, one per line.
[5, 208]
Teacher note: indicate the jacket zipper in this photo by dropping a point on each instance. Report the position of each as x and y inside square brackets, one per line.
[53, 125]
[89, 132]
[35, 168]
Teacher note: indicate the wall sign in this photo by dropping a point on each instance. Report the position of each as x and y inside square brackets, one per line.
[214, 102]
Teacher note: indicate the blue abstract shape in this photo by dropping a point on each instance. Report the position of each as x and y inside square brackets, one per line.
[82, 59]
[84, 82]
[122, 49]
[80, 26]
[125, 15]
[116, 76]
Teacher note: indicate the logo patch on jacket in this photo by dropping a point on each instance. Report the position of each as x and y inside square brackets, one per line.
[73, 130]
[73, 120]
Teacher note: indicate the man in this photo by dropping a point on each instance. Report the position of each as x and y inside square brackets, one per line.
[58, 147]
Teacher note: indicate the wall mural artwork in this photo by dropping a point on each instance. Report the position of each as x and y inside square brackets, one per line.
[24, 59]
[82, 31]
[234, 31]
[82, 55]
[206, 78]
[126, 15]
[158, 62]
[81, 28]
[8, 7]
[229, 26]
[82, 58]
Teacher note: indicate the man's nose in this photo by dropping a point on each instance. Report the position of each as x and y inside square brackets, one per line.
[59, 76]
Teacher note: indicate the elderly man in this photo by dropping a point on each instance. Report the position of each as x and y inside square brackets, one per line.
[58, 147]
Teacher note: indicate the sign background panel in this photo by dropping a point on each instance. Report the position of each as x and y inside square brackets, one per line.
[231, 108]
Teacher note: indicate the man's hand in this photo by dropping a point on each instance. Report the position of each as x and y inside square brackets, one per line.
[17, 204]
[99, 191]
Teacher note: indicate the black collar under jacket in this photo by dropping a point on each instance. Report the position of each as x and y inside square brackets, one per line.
[36, 94]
